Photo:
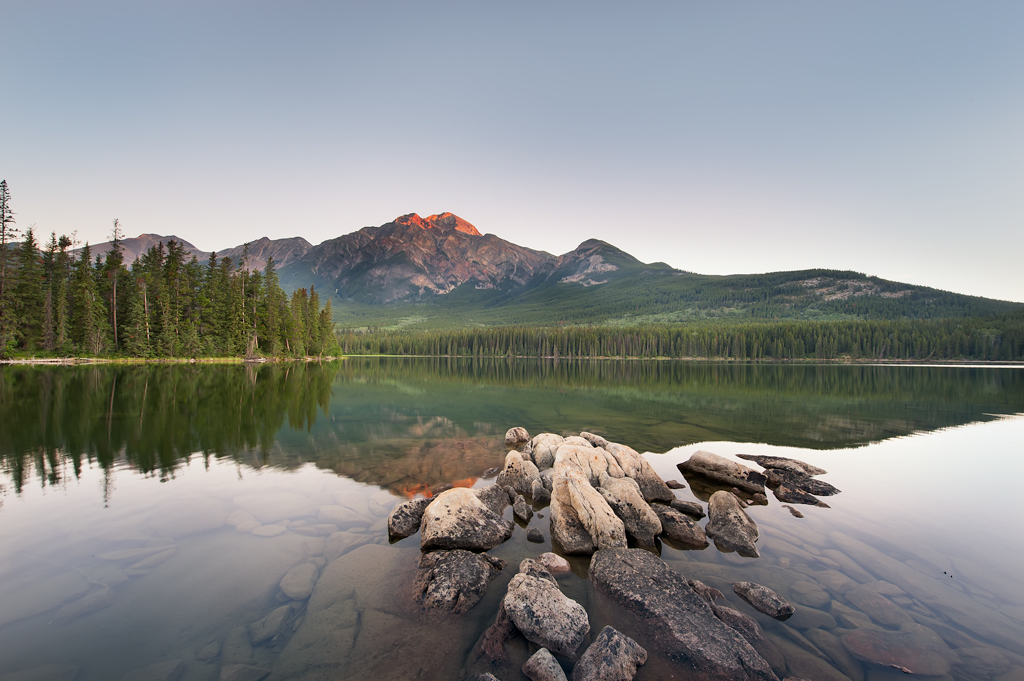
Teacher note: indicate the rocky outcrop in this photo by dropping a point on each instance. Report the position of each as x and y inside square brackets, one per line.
[518, 473]
[404, 519]
[544, 615]
[454, 581]
[612, 656]
[595, 440]
[635, 466]
[730, 526]
[458, 519]
[784, 464]
[680, 528]
[674, 617]
[544, 447]
[763, 599]
[623, 495]
[581, 519]
[516, 436]
[592, 462]
[724, 471]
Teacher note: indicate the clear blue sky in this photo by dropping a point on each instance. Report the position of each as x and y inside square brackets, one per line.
[885, 137]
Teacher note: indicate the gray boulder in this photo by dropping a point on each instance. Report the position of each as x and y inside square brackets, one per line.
[458, 519]
[690, 508]
[724, 471]
[782, 463]
[516, 436]
[623, 495]
[674, 617]
[496, 497]
[534, 535]
[708, 593]
[678, 527]
[544, 615]
[581, 519]
[786, 492]
[747, 626]
[763, 599]
[612, 656]
[297, 584]
[540, 494]
[454, 581]
[542, 666]
[730, 526]
[801, 482]
[265, 629]
[521, 509]
[635, 466]
[529, 566]
[404, 519]
[519, 473]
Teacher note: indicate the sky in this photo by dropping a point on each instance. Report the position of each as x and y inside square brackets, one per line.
[878, 136]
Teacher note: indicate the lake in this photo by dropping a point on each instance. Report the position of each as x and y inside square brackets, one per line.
[148, 513]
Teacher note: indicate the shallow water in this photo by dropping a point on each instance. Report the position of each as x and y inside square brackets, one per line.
[149, 513]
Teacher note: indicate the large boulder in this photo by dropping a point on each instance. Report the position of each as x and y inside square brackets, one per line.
[545, 615]
[680, 528]
[458, 519]
[624, 497]
[544, 447]
[496, 497]
[297, 584]
[404, 519]
[590, 461]
[763, 599]
[724, 471]
[518, 473]
[674, 617]
[910, 650]
[784, 464]
[454, 581]
[635, 466]
[612, 656]
[576, 506]
[730, 526]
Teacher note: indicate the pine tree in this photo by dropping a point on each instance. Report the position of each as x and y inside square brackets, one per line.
[89, 314]
[8, 233]
[27, 294]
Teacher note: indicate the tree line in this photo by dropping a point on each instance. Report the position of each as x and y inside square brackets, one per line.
[58, 301]
[999, 338]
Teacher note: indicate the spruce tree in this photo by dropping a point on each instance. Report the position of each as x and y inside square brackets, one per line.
[8, 233]
[89, 315]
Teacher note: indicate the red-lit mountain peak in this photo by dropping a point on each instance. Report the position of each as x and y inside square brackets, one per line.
[444, 220]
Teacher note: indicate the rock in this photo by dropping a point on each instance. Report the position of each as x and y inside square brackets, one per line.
[247, 527]
[239, 517]
[269, 530]
[782, 463]
[708, 593]
[554, 563]
[730, 526]
[496, 497]
[981, 661]
[542, 666]
[836, 651]
[577, 441]
[835, 581]
[674, 484]
[547, 478]
[635, 466]
[810, 594]
[146, 564]
[454, 580]
[91, 602]
[270, 626]
[792, 511]
[904, 649]
[590, 461]
[724, 471]
[544, 615]
[482, 677]
[674, 617]
[492, 643]
[516, 436]
[680, 528]
[623, 495]
[189, 515]
[747, 627]
[243, 672]
[519, 473]
[878, 607]
[237, 647]
[161, 671]
[690, 508]
[534, 535]
[132, 554]
[763, 599]
[404, 519]
[581, 520]
[458, 519]
[594, 440]
[793, 495]
[544, 447]
[539, 493]
[811, 618]
[340, 543]
[272, 508]
[529, 566]
[521, 509]
[801, 482]
[297, 584]
[490, 472]
[209, 652]
[612, 656]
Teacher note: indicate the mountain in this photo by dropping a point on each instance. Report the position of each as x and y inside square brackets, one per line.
[136, 246]
[440, 270]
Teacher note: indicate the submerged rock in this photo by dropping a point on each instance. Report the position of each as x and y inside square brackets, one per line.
[161, 671]
[793, 495]
[782, 463]
[730, 526]
[404, 519]
[680, 528]
[458, 519]
[623, 495]
[542, 666]
[516, 436]
[243, 672]
[96, 600]
[673, 616]
[545, 615]
[763, 599]
[454, 580]
[910, 650]
[265, 629]
[612, 656]
[724, 471]
[801, 482]
[534, 535]
[297, 584]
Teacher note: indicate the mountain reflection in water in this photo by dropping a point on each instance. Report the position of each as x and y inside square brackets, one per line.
[409, 424]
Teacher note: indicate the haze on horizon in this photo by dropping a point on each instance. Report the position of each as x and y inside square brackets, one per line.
[882, 137]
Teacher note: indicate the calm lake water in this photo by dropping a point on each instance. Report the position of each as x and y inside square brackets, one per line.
[149, 513]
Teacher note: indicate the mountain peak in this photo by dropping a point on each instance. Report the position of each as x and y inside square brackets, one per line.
[441, 221]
